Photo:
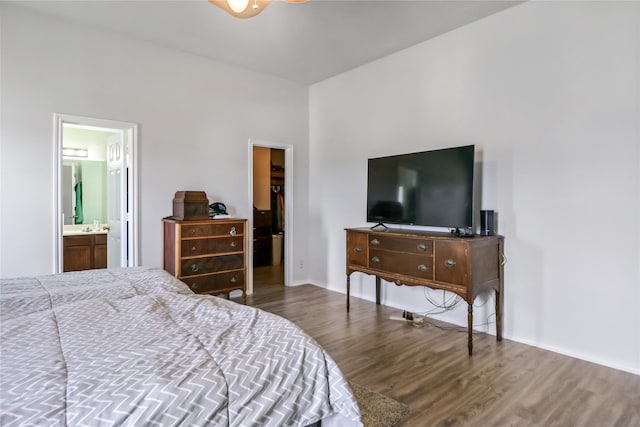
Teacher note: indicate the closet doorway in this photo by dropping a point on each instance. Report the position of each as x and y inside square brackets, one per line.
[270, 221]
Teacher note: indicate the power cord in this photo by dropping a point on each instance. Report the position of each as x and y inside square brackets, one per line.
[420, 321]
[447, 304]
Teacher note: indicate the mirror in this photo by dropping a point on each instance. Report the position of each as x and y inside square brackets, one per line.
[84, 191]
[84, 174]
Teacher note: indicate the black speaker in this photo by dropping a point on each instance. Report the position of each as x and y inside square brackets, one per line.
[487, 224]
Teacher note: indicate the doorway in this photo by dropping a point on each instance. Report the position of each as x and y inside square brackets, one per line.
[270, 196]
[95, 193]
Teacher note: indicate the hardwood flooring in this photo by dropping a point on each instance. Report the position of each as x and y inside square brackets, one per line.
[503, 384]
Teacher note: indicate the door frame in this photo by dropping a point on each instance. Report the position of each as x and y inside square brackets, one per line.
[130, 140]
[288, 209]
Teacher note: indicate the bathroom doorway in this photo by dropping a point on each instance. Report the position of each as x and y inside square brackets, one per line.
[96, 193]
[270, 195]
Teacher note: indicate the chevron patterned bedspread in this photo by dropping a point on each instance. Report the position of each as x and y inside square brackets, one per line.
[136, 347]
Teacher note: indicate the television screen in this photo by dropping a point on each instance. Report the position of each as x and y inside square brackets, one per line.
[430, 188]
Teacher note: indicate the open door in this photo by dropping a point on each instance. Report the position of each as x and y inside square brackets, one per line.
[116, 216]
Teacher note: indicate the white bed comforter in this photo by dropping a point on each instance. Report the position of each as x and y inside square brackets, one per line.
[136, 347]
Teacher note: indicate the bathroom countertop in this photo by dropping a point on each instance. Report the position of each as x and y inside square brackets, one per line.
[82, 229]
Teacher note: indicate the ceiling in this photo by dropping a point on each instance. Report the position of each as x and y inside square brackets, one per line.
[303, 42]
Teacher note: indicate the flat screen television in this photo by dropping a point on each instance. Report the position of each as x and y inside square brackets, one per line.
[429, 188]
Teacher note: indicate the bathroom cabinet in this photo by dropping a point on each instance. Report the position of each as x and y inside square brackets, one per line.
[85, 252]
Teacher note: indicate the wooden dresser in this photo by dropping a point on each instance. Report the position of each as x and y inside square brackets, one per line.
[466, 266]
[208, 255]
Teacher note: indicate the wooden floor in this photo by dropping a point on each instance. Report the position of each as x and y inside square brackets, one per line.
[428, 368]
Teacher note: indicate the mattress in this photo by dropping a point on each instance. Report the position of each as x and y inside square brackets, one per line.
[135, 346]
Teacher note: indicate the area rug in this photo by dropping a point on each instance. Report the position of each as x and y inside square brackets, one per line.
[378, 410]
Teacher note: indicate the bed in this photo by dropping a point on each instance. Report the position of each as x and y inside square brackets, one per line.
[135, 346]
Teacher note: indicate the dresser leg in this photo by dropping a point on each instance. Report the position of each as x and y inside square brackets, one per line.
[470, 328]
[499, 305]
[500, 291]
[348, 290]
[244, 298]
[378, 290]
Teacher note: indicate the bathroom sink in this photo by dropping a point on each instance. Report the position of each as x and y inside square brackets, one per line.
[80, 229]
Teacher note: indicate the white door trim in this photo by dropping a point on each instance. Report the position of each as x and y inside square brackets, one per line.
[288, 210]
[130, 133]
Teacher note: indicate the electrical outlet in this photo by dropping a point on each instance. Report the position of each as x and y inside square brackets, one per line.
[301, 264]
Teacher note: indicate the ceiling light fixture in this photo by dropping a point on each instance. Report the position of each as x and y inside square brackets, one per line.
[245, 8]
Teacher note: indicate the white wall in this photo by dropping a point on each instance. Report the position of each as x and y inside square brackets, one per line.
[196, 117]
[550, 95]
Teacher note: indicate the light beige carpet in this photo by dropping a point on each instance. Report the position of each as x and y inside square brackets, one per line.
[378, 410]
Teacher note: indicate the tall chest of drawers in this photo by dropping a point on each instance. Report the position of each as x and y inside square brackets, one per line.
[208, 255]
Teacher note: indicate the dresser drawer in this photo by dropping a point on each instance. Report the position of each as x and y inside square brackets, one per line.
[204, 265]
[199, 230]
[195, 247]
[262, 219]
[357, 249]
[451, 262]
[262, 232]
[420, 266]
[262, 243]
[230, 244]
[207, 230]
[401, 244]
[230, 229]
[216, 282]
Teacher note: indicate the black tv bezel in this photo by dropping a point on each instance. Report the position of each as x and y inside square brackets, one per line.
[462, 229]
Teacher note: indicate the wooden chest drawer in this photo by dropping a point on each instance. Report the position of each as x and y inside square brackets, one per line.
[207, 230]
[357, 249]
[195, 247]
[216, 282]
[451, 262]
[420, 266]
[204, 265]
[402, 244]
[262, 219]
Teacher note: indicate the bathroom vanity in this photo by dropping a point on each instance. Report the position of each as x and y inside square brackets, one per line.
[84, 250]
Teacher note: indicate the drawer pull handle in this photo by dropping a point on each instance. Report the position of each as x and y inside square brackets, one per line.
[233, 279]
[193, 248]
[193, 231]
[233, 244]
[194, 268]
[194, 286]
[422, 247]
[375, 242]
[233, 231]
[375, 259]
[357, 249]
[450, 263]
[423, 267]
